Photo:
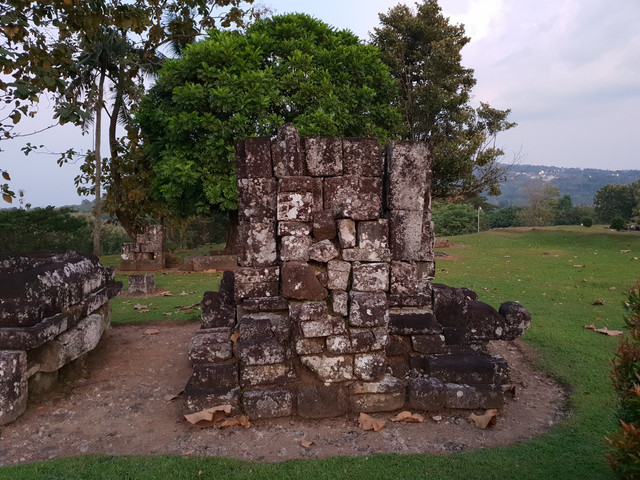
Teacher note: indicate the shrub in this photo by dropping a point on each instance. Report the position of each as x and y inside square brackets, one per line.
[587, 222]
[618, 223]
[625, 376]
[455, 219]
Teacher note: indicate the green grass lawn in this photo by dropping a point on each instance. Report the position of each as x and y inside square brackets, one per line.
[536, 268]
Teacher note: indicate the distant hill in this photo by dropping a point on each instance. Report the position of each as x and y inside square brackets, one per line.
[579, 183]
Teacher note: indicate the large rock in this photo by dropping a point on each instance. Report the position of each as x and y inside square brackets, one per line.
[358, 198]
[299, 282]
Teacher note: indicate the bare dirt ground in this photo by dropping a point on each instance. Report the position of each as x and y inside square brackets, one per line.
[119, 408]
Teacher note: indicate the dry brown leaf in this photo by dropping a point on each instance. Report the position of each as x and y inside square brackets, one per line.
[590, 327]
[211, 270]
[367, 422]
[170, 397]
[244, 421]
[635, 258]
[151, 331]
[230, 422]
[483, 421]
[137, 306]
[578, 266]
[408, 417]
[207, 414]
[235, 335]
[606, 331]
[167, 294]
[625, 251]
[598, 302]
[146, 310]
[305, 443]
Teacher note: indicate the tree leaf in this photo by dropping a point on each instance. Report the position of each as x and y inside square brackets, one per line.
[483, 421]
[408, 417]
[6, 176]
[367, 422]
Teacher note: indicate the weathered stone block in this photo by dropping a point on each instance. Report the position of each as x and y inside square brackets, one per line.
[330, 368]
[323, 251]
[299, 282]
[142, 284]
[257, 199]
[253, 158]
[266, 375]
[295, 248]
[399, 345]
[404, 278]
[427, 394]
[256, 326]
[266, 351]
[318, 328]
[370, 277]
[381, 335]
[517, 320]
[265, 304]
[226, 288]
[339, 344]
[471, 397]
[259, 246]
[323, 156]
[429, 344]
[358, 198]
[294, 228]
[405, 231]
[377, 402]
[373, 235]
[304, 184]
[368, 309]
[309, 346]
[347, 233]
[467, 369]
[366, 255]
[210, 376]
[324, 225]
[362, 157]
[210, 346]
[407, 167]
[322, 401]
[398, 366]
[286, 152]
[256, 275]
[340, 303]
[413, 323]
[13, 385]
[267, 403]
[295, 206]
[369, 366]
[197, 400]
[338, 274]
[258, 289]
[420, 300]
[304, 312]
[215, 313]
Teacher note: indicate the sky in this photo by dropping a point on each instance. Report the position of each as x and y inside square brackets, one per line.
[569, 70]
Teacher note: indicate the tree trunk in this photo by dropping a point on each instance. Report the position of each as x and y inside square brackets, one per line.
[232, 247]
[97, 224]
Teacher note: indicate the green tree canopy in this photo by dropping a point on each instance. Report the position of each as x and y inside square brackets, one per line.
[617, 201]
[290, 68]
[423, 51]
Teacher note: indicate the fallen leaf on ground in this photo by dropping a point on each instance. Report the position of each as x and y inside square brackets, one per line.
[183, 293]
[611, 333]
[167, 314]
[167, 294]
[591, 326]
[146, 310]
[305, 443]
[151, 331]
[598, 302]
[408, 417]
[170, 397]
[207, 415]
[437, 418]
[578, 266]
[367, 422]
[235, 335]
[489, 418]
[211, 270]
[625, 251]
[137, 306]
[612, 288]
[635, 258]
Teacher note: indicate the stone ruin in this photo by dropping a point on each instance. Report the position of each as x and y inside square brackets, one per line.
[53, 310]
[148, 253]
[333, 309]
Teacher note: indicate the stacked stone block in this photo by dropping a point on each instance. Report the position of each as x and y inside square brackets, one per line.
[332, 308]
[147, 253]
[53, 310]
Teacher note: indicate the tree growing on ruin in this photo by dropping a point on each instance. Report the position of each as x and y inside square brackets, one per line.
[290, 68]
[422, 49]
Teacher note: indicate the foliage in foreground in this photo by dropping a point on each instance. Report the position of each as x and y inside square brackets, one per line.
[625, 459]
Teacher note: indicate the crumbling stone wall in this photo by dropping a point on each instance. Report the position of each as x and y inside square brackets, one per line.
[148, 253]
[333, 308]
[53, 310]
